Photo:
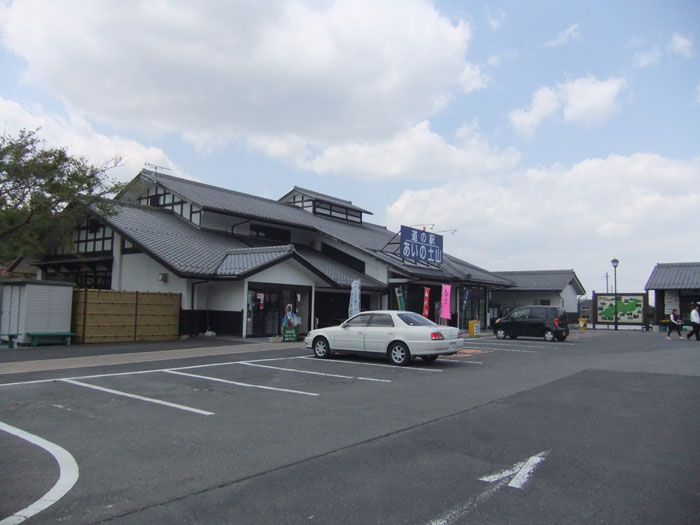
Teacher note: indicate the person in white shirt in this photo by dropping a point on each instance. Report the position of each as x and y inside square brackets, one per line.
[695, 321]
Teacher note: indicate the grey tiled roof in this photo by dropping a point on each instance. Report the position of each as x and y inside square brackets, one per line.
[674, 276]
[189, 251]
[340, 274]
[368, 237]
[553, 280]
[175, 242]
[241, 261]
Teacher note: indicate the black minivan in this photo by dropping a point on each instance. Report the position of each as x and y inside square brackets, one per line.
[533, 321]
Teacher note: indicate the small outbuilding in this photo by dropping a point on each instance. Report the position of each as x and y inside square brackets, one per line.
[675, 285]
[544, 287]
[30, 305]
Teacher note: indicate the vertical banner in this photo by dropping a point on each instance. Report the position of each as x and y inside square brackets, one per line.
[354, 307]
[426, 304]
[399, 298]
[445, 306]
[261, 299]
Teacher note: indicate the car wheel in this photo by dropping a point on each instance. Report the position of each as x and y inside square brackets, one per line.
[501, 333]
[561, 337]
[399, 354]
[548, 335]
[322, 349]
[428, 358]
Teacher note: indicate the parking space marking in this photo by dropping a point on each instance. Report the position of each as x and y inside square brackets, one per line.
[371, 364]
[141, 398]
[237, 383]
[314, 373]
[513, 350]
[525, 344]
[67, 477]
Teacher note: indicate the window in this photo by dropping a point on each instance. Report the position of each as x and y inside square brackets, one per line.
[268, 232]
[413, 319]
[381, 320]
[358, 321]
[545, 302]
[520, 313]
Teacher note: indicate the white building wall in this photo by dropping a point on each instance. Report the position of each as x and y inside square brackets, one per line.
[510, 299]
[289, 272]
[570, 298]
[139, 272]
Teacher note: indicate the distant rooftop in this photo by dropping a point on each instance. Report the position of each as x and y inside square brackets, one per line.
[674, 276]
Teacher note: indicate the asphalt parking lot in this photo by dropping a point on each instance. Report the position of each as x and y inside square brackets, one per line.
[600, 428]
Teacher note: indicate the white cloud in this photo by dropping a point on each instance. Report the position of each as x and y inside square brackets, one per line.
[545, 101]
[495, 18]
[570, 33]
[563, 217]
[650, 58]
[80, 139]
[585, 101]
[417, 153]
[323, 72]
[589, 101]
[681, 45]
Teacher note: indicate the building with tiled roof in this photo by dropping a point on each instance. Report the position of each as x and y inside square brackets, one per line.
[547, 287]
[244, 260]
[675, 285]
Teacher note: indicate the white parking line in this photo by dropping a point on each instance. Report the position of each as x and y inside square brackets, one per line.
[249, 385]
[67, 477]
[370, 364]
[513, 350]
[313, 373]
[141, 398]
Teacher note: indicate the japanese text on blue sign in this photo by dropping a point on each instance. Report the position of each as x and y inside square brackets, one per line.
[420, 245]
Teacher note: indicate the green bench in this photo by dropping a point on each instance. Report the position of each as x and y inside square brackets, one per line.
[50, 338]
[11, 340]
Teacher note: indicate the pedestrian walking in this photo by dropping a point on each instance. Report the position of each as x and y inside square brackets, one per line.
[675, 324]
[695, 321]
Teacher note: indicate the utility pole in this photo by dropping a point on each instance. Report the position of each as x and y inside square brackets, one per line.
[607, 290]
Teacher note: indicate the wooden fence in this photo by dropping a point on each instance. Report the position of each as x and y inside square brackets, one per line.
[106, 316]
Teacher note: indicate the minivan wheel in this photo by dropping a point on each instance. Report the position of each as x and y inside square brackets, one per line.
[548, 335]
[399, 354]
[322, 349]
[501, 333]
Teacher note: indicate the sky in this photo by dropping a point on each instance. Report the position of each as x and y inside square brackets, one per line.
[533, 135]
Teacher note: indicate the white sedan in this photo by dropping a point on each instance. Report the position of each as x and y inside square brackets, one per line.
[393, 333]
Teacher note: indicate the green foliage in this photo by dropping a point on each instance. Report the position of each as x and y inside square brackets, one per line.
[44, 193]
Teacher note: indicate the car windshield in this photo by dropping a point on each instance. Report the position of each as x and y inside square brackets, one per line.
[413, 319]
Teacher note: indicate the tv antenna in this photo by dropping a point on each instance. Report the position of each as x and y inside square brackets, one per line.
[154, 167]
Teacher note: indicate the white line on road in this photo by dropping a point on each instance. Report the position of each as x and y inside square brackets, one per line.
[313, 373]
[68, 475]
[141, 398]
[515, 477]
[237, 383]
[513, 350]
[370, 364]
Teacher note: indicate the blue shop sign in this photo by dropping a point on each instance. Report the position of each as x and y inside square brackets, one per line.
[421, 245]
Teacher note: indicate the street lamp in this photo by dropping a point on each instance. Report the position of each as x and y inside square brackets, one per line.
[614, 263]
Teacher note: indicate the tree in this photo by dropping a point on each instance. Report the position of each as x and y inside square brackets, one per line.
[45, 193]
